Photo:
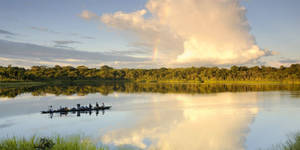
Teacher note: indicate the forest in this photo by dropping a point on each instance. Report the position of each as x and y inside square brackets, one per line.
[192, 74]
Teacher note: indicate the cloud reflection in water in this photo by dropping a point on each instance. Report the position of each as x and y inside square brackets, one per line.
[192, 122]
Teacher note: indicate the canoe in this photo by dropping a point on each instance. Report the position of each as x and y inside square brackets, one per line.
[76, 110]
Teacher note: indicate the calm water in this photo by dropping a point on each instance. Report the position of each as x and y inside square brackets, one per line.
[158, 116]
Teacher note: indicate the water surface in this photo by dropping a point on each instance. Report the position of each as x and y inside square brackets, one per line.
[158, 116]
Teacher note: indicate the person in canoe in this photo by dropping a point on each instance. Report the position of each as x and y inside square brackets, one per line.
[97, 105]
[50, 108]
[103, 104]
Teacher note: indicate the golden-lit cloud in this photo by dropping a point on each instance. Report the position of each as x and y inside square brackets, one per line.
[69, 60]
[85, 14]
[192, 31]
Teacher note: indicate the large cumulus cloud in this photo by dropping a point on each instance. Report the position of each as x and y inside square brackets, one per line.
[202, 32]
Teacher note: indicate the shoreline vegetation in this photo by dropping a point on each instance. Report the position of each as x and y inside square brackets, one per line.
[78, 143]
[292, 143]
[8, 84]
[67, 74]
[49, 143]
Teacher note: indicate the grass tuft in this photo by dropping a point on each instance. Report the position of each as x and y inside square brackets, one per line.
[49, 143]
[292, 143]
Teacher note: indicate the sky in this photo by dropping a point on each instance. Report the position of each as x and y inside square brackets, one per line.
[149, 33]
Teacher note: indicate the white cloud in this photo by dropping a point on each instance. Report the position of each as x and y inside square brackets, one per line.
[191, 31]
[87, 15]
[283, 62]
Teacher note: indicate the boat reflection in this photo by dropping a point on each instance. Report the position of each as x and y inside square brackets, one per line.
[77, 113]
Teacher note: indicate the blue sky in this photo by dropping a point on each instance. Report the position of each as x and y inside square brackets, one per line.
[274, 24]
[62, 16]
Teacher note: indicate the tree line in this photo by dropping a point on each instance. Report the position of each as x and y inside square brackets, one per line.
[193, 74]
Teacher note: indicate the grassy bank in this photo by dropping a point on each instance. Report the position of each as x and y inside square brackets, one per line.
[54, 82]
[95, 82]
[293, 143]
[53, 143]
[251, 82]
[77, 143]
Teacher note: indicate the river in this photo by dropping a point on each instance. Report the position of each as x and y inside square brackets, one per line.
[158, 116]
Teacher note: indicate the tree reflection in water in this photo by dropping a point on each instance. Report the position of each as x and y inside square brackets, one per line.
[109, 88]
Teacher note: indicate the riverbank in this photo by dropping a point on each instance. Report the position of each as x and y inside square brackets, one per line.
[251, 82]
[55, 82]
[78, 143]
[95, 82]
[292, 143]
[49, 143]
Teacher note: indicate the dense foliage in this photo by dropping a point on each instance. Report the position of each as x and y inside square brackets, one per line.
[235, 73]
